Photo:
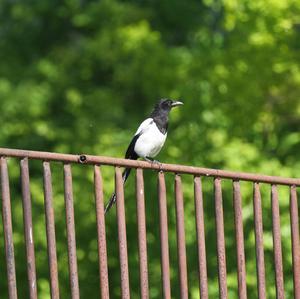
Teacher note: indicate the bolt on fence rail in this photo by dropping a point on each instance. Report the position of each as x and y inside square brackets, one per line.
[197, 172]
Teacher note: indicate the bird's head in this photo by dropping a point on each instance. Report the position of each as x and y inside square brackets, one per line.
[163, 107]
[167, 104]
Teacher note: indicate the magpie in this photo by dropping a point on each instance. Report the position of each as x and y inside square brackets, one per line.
[148, 139]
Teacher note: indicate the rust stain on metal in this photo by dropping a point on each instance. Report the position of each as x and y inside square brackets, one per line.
[220, 239]
[295, 240]
[141, 226]
[259, 243]
[27, 215]
[181, 250]
[277, 243]
[142, 237]
[239, 236]
[50, 230]
[164, 243]
[102, 251]
[8, 231]
[200, 238]
[125, 289]
[70, 222]
[101, 160]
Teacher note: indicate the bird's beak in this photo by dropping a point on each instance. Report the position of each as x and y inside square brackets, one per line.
[176, 103]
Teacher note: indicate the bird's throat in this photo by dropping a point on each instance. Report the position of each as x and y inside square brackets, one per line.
[161, 122]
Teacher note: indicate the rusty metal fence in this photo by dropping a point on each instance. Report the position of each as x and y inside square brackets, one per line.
[97, 161]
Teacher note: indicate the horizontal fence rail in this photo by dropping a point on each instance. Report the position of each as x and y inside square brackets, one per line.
[101, 160]
[164, 215]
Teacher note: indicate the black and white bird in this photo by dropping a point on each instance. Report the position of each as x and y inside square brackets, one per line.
[149, 138]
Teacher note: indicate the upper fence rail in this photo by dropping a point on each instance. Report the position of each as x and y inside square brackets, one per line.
[183, 169]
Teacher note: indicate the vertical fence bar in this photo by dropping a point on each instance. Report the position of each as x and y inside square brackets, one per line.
[277, 243]
[50, 228]
[125, 290]
[70, 222]
[8, 232]
[164, 244]
[141, 220]
[200, 238]
[181, 249]
[259, 243]
[295, 240]
[239, 236]
[220, 239]
[102, 251]
[27, 215]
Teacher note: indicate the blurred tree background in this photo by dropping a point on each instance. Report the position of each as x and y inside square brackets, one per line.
[78, 76]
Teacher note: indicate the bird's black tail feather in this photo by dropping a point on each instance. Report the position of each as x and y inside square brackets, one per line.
[113, 198]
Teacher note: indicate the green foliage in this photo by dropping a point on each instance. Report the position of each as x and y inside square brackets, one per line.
[78, 76]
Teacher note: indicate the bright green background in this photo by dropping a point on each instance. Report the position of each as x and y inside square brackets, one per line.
[78, 76]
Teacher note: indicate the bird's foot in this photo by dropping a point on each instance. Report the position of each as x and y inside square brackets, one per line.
[152, 161]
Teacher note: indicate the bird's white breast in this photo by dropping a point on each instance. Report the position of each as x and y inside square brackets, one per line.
[150, 141]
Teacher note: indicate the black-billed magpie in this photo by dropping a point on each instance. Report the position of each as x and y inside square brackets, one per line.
[149, 138]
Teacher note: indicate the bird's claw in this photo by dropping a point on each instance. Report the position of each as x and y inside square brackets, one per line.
[157, 163]
[152, 161]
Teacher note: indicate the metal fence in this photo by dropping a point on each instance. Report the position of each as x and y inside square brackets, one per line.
[96, 161]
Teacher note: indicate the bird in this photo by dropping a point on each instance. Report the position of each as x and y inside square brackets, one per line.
[149, 138]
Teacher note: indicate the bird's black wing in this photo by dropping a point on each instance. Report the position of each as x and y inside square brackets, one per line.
[130, 153]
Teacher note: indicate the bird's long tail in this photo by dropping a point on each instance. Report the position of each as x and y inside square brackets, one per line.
[113, 198]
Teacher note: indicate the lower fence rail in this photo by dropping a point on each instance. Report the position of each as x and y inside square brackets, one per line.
[164, 203]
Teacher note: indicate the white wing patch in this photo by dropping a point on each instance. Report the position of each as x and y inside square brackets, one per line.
[144, 125]
[150, 141]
